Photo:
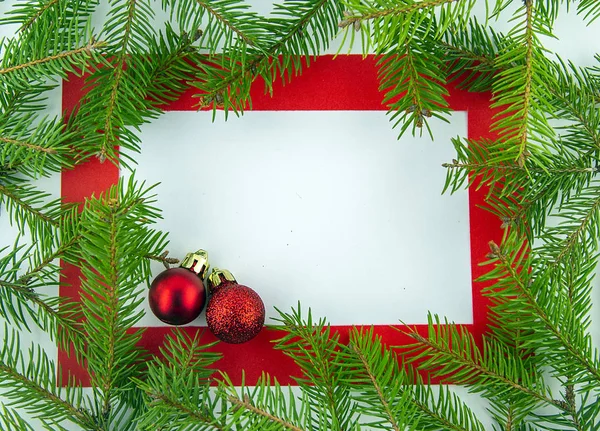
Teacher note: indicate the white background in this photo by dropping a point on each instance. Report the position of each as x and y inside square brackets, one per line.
[326, 208]
[353, 210]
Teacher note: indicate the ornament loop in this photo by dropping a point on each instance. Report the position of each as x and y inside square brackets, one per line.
[197, 262]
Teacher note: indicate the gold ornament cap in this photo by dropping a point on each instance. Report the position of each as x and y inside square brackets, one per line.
[197, 262]
[219, 277]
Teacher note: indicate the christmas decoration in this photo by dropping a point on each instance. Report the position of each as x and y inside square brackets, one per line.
[177, 295]
[535, 367]
[235, 313]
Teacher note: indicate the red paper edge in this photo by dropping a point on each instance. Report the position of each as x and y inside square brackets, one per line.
[344, 83]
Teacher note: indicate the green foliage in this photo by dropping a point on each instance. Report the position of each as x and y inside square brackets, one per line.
[33, 386]
[536, 368]
[176, 388]
[406, 36]
[314, 348]
[281, 46]
[115, 238]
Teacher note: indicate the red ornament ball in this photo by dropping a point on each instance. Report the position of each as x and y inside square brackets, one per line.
[177, 296]
[235, 313]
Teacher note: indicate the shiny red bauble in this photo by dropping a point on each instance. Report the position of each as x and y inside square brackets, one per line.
[177, 296]
[235, 313]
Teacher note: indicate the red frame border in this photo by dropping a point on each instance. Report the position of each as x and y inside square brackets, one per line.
[344, 83]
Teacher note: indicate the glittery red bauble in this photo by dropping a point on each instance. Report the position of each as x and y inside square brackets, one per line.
[235, 313]
[177, 296]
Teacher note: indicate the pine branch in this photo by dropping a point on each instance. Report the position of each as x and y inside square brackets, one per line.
[58, 318]
[590, 217]
[43, 395]
[523, 97]
[590, 10]
[479, 167]
[391, 25]
[34, 146]
[14, 101]
[53, 16]
[412, 79]
[388, 390]
[195, 416]
[528, 79]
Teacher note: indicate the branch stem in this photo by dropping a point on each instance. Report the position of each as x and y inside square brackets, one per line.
[81, 50]
[248, 406]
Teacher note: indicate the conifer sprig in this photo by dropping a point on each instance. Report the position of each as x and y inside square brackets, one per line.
[520, 87]
[411, 72]
[33, 387]
[176, 388]
[268, 406]
[313, 346]
[555, 316]
[115, 237]
[297, 31]
[385, 388]
[536, 172]
[11, 420]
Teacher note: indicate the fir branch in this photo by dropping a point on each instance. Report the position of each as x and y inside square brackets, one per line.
[507, 265]
[118, 68]
[10, 420]
[106, 380]
[314, 348]
[410, 78]
[478, 167]
[230, 89]
[173, 66]
[44, 395]
[248, 39]
[528, 79]
[590, 9]
[72, 55]
[469, 55]
[521, 96]
[177, 388]
[382, 398]
[114, 238]
[387, 389]
[41, 11]
[164, 259]
[28, 145]
[197, 416]
[590, 216]
[33, 384]
[247, 405]
[59, 319]
[402, 9]
[477, 369]
[25, 206]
